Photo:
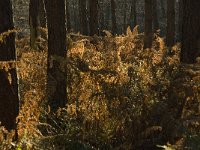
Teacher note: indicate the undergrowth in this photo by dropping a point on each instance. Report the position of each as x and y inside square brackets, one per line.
[120, 96]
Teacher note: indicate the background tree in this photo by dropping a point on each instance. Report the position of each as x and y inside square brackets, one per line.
[155, 16]
[56, 82]
[83, 17]
[9, 105]
[42, 14]
[170, 36]
[125, 16]
[68, 16]
[180, 18]
[34, 21]
[113, 14]
[190, 49]
[93, 20]
[148, 33]
[133, 14]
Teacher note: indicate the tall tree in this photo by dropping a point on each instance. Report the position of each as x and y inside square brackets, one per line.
[180, 18]
[190, 49]
[83, 17]
[162, 5]
[68, 16]
[148, 33]
[155, 16]
[9, 105]
[133, 14]
[42, 14]
[34, 21]
[170, 36]
[93, 20]
[56, 76]
[113, 14]
[125, 16]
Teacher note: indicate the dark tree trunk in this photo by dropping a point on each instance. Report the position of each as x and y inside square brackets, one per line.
[83, 17]
[133, 14]
[42, 14]
[9, 105]
[190, 49]
[155, 16]
[170, 36]
[93, 21]
[162, 4]
[68, 16]
[56, 75]
[113, 14]
[34, 21]
[125, 16]
[180, 19]
[148, 33]
[107, 16]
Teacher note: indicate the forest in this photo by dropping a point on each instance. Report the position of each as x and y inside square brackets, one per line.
[99, 75]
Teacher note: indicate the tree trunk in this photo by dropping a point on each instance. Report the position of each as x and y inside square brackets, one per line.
[180, 19]
[93, 21]
[56, 75]
[133, 14]
[42, 14]
[83, 17]
[107, 16]
[170, 36]
[155, 16]
[113, 14]
[68, 16]
[9, 106]
[162, 4]
[148, 34]
[34, 21]
[190, 49]
[125, 16]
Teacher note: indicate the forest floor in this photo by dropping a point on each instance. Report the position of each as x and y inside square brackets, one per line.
[126, 98]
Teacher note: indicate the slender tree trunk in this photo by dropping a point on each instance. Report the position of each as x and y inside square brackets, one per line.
[107, 16]
[133, 14]
[162, 4]
[34, 21]
[113, 14]
[190, 49]
[9, 106]
[125, 15]
[170, 37]
[56, 75]
[148, 33]
[42, 14]
[83, 17]
[69, 27]
[155, 16]
[180, 19]
[93, 21]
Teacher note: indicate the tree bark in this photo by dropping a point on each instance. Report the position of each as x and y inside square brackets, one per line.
[9, 105]
[155, 16]
[83, 17]
[133, 14]
[56, 76]
[69, 27]
[93, 21]
[125, 16]
[180, 19]
[34, 21]
[148, 33]
[170, 36]
[190, 48]
[42, 14]
[113, 14]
